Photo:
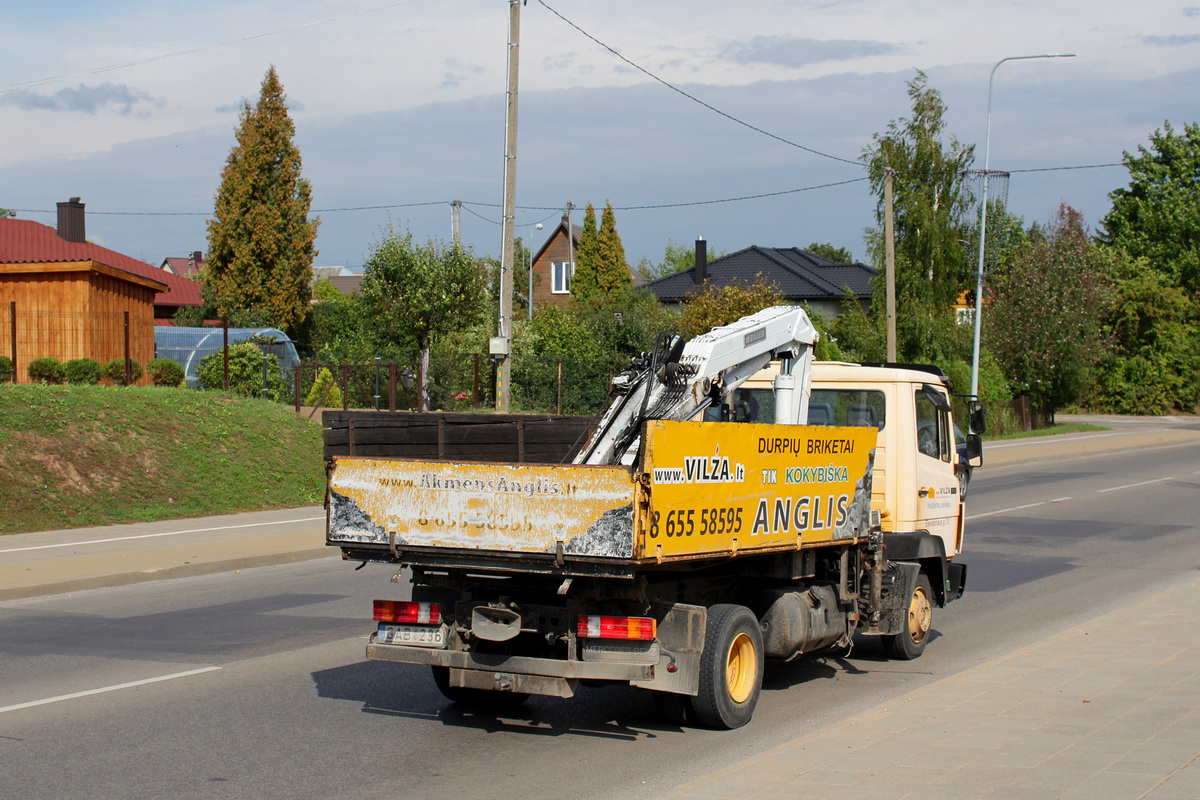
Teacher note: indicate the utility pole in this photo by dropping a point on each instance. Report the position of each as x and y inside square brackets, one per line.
[504, 346]
[455, 221]
[889, 248]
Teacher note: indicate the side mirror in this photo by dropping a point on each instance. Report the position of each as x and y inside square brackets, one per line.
[978, 418]
[974, 449]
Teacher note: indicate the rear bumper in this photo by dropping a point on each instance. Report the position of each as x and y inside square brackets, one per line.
[513, 665]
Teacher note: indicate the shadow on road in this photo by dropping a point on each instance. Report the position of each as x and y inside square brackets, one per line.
[408, 691]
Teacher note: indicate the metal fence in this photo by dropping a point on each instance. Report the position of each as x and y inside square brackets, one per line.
[29, 335]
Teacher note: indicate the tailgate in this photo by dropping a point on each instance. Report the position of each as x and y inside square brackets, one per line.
[512, 508]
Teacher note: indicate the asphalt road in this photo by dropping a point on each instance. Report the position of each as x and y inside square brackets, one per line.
[255, 685]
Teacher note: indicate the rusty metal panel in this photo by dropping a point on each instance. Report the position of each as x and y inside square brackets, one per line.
[733, 487]
[588, 511]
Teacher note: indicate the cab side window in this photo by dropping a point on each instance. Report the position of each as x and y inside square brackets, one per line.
[933, 438]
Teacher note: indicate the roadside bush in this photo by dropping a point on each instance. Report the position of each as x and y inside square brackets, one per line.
[115, 371]
[82, 371]
[165, 372]
[324, 381]
[46, 370]
[6, 369]
[245, 372]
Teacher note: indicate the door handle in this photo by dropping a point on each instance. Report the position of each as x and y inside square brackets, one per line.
[923, 493]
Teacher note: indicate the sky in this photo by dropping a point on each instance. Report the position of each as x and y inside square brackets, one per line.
[399, 109]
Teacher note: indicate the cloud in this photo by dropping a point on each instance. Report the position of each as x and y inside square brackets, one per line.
[457, 71]
[1173, 40]
[791, 52]
[1192, 11]
[89, 99]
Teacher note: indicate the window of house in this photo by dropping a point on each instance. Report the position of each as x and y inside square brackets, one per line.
[560, 277]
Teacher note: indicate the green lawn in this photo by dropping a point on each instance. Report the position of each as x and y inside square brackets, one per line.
[1053, 430]
[74, 456]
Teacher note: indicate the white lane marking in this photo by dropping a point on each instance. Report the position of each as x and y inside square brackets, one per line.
[104, 689]
[155, 535]
[1006, 510]
[1060, 500]
[1132, 485]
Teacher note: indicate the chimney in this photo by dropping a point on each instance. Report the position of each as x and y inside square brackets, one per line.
[701, 273]
[70, 221]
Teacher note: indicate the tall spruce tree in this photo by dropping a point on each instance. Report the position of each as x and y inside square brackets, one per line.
[260, 240]
[601, 270]
[585, 282]
[613, 276]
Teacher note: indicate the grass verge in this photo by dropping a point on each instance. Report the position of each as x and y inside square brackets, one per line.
[73, 456]
[1053, 430]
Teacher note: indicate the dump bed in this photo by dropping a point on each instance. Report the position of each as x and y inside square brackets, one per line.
[701, 490]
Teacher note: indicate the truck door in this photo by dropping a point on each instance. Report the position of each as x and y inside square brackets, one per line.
[937, 486]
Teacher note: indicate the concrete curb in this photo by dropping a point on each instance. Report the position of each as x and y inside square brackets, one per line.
[116, 579]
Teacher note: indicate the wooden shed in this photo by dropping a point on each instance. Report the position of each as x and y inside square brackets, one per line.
[58, 302]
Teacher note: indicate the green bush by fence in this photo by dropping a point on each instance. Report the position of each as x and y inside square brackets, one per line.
[82, 371]
[115, 371]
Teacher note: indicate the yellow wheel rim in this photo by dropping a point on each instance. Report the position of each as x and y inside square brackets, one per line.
[741, 668]
[920, 615]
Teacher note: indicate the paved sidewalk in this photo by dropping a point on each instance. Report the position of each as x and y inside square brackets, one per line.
[1106, 710]
[50, 562]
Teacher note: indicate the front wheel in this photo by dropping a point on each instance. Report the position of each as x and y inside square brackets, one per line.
[731, 668]
[910, 643]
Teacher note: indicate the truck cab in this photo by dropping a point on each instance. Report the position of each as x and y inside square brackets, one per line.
[917, 482]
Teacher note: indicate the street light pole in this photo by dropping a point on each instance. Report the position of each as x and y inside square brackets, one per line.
[529, 297]
[987, 146]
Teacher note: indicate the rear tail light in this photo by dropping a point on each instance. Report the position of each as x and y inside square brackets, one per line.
[408, 613]
[597, 627]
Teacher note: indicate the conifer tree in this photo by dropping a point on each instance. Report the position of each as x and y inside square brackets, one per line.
[260, 240]
[600, 266]
[613, 274]
[585, 282]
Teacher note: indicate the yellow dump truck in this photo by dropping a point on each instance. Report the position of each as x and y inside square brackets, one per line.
[698, 533]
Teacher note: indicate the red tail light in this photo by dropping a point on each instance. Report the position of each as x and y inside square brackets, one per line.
[408, 613]
[597, 627]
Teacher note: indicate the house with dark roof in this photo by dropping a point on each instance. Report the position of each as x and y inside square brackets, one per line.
[66, 298]
[799, 275]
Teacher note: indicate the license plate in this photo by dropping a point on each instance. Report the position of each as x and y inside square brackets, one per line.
[417, 635]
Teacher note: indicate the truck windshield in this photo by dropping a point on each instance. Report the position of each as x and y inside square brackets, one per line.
[847, 407]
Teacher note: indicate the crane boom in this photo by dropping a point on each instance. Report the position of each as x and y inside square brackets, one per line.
[679, 380]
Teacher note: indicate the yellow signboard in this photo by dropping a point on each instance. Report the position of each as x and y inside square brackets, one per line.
[506, 507]
[717, 487]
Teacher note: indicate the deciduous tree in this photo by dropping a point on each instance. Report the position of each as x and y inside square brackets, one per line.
[260, 240]
[421, 291]
[1158, 216]
[1045, 313]
[929, 201]
[715, 306]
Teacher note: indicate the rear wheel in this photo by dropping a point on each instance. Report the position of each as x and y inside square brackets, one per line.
[910, 643]
[480, 699]
[731, 668]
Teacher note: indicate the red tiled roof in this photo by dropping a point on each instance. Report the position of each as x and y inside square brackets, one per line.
[185, 265]
[23, 241]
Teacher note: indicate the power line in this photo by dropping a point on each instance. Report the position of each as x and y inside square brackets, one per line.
[1054, 169]
[113, 67]
[695, 99]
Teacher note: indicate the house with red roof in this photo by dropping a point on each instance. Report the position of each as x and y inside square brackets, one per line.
[63, 297]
